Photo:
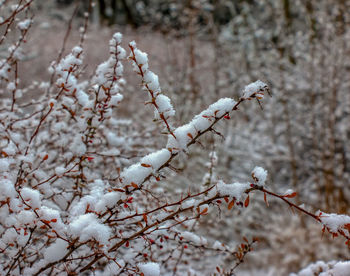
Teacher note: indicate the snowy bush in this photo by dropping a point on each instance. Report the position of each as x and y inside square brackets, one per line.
[75, 195]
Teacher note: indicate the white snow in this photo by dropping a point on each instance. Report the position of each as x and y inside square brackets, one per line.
[86, 227]
[184, 134]
[259, 174]
[26, 218]
[218, 245]
[321, 268]
[151, 80]
[31, 197]
[156, 159]
[149, 269]
[255, 89]
[234, 190]
[164, 106]
[191, 237]
[135, 173]
[200, 123]
[24, 25]
[56, 251]
[78, 148]
[336, 222]
[141, 57]
[60, 171]
[4, 164]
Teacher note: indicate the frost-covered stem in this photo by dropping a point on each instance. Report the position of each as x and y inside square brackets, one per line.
[211, 168]
[183, 248]
[43, 118]
[169, 217]
[150, 91]
[292, 205]
[54, 176]
[62, 86]
[245, 249]
[16, 85]
[100, 104]
[63, 47]
[139, 233]
[18, 44]
[12, 17]
[191, 142]
[108, 89]
[235, 107]
[72, 249]
[37, 215]
[20, 251]
[165, 206]
[86, 23]
[224, 250]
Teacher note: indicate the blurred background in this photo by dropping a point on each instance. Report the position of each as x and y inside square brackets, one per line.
[203, 50]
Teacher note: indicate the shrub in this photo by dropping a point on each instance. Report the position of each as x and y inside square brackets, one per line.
[73, 200]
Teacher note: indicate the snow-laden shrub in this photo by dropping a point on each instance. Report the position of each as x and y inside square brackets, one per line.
[72, 198]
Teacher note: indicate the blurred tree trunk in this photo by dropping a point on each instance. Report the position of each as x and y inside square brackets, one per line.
[117, 8]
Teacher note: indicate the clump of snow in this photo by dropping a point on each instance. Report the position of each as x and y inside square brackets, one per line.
[321, 268]
[234, 190]
[7, 189]
[31, 197]
[218, 246]
[26, 218]
[136, 173]
[164, 106]
[149, 269]
[9, 236]
[259, 175]
[114, 140]
[183, 135]
[82, 97]
[86, 227]
[221, 107]
[188, 203]
[11, 86]
[191, 237]
[335, 222]
[200, 123]
[56, 251]
[255, 89]
[118, 37]
[150, 81]
[157, 159]
[141, 57]
[24, 25]
[148, 165]
[116, 99]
